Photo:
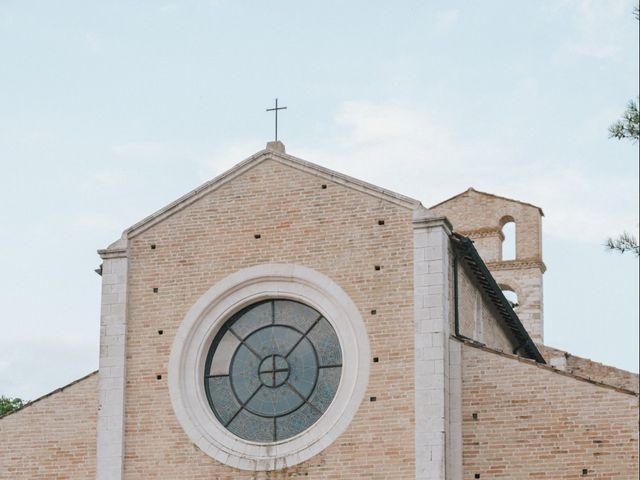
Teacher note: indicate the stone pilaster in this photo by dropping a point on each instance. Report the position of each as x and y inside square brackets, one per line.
[431, 307]
[111, 375]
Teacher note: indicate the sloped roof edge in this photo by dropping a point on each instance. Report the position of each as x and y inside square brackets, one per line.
[528, 361]
[467, 253]
[252, 161]
[47, 395]
[471, 189]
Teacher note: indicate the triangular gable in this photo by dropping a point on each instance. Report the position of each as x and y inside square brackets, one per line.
[251, 162]
[491, 195]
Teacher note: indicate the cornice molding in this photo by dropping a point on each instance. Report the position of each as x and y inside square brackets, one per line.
[517, 264]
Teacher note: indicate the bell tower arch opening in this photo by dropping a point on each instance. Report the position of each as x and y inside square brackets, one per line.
[511, 295]
[509, 232]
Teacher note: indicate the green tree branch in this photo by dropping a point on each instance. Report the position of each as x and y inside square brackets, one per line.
[8, 404]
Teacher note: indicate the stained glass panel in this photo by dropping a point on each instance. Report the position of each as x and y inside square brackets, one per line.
[252, 427]
[328, 381]
[222, 357]
[222, 397]
[296, 422]
[295, 314]
[272, 370]
[253, 318]
[326, 343]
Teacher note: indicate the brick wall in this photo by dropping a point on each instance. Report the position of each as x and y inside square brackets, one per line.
[477, 320]
[583, 367]
[469, 306]
[534, 422]
[481, 216]
[528, 284]
[333, 230]
[54, 437]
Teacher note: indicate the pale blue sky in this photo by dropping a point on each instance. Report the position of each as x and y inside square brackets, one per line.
[110, 110]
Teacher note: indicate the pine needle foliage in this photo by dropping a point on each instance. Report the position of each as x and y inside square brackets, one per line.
[624, 243]
[629, 125]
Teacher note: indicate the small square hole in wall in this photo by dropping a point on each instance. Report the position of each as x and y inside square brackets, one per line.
[377, 268]
[380, 222]
[155, 289]
[477, 475]
[585, 471]
[324, 186]
[475, 416]
[158, 377]
[376, 359]
[257, 235]
[153, 246]
[372, 399]
[373, 312]
[160, 332]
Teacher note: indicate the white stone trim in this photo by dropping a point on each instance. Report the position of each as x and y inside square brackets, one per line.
[431, 310]
[208, 314]
[111, 374]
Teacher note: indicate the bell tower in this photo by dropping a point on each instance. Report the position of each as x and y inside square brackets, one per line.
[484, 218]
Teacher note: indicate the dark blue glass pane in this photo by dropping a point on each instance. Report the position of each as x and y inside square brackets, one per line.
[244, 373]
[263, 403]
[326, 342]
[284, 339]
[303, 368]
[286, 400]
[252, 427]
[225, 403]
[261, 342]
[295, 314]
[274, 371]
[328, 381]
[274, 401]
[252, 319]
[273, 340]
[296, 422]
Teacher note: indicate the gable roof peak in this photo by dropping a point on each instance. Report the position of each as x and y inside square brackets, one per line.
[487, 194]
[274, 151]
[276, 146]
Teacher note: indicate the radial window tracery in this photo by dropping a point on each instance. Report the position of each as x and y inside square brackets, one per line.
[273, 370]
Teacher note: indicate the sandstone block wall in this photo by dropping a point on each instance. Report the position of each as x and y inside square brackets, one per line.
[334, 230]
[53, 438]
[523, 421]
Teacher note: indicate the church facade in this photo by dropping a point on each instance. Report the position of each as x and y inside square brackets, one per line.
[287, 321]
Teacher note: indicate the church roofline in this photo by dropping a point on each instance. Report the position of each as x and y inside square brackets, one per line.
[481, 346]
[46, 395]
[467, 253]
[252, 161]
[471, 189]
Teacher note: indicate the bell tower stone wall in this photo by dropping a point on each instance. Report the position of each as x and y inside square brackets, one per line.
[481, 217]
